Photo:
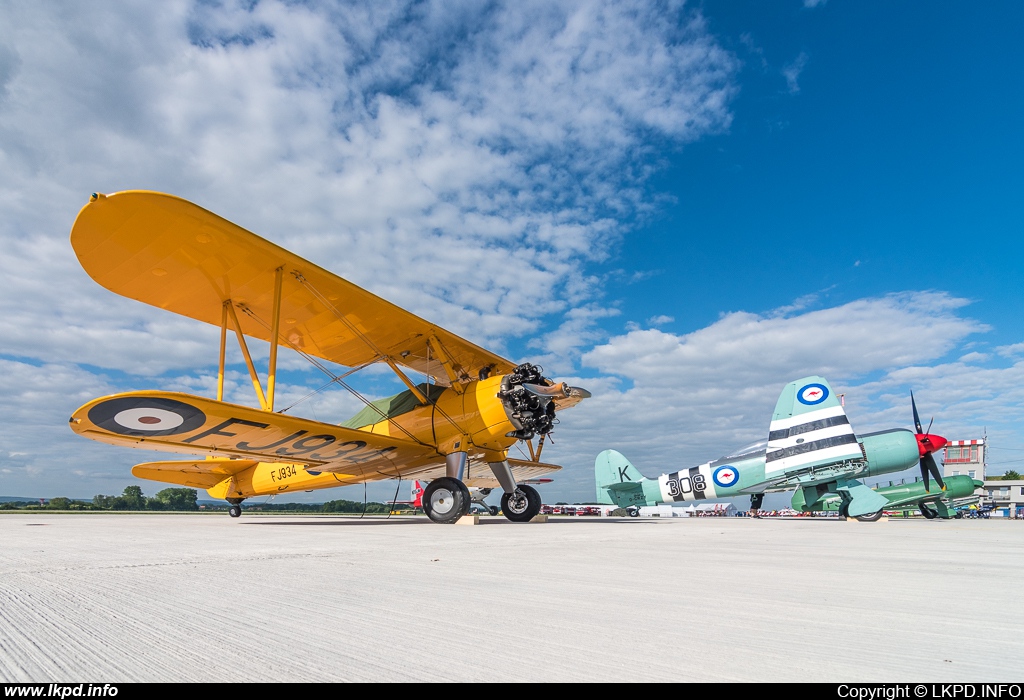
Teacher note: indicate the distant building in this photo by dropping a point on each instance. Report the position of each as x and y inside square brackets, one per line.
[965, 457]
[1005, 497]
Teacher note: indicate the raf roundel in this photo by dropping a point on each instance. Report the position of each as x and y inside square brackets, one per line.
[726, 476]
[146, 417]
[812, 394]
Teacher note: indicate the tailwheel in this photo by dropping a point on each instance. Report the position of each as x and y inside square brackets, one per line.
[493, 510]
[445, 500]
[928, 512]
[521, 506]
[870, 517]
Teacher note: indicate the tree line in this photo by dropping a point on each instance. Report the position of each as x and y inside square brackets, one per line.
[131, 498]
[184, 499]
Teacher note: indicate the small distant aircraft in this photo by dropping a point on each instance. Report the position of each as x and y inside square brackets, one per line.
[811, 450]
[475, 406]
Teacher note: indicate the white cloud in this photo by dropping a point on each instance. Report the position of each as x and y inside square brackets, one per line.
[814, 3]
[791, 72]
[1011, 350]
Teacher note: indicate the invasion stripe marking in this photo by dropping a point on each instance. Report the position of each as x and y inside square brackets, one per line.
[808, 427]
[697, 481]
[811, 447]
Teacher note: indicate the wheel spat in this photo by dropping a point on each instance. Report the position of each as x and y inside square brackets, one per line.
[927, 444]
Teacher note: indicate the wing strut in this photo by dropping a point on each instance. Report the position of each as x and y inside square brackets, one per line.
[456, 374]
[248, 358]
[274, 332]
[223, 348]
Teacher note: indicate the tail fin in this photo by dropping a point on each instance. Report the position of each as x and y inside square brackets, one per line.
[417, 494]
[809, 428]
[610, 470]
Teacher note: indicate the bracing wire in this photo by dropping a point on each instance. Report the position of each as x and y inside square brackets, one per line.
[392, 508]
[335, 379]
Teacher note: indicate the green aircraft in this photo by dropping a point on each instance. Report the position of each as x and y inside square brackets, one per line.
[959, 493]
[811, 450]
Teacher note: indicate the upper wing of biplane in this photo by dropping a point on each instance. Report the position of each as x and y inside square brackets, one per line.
[166, 251]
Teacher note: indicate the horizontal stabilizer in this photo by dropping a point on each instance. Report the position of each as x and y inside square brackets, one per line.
[809, 429]
[623, 486]
[198, 473]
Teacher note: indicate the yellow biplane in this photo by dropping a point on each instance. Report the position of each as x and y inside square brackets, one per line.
[474, 406]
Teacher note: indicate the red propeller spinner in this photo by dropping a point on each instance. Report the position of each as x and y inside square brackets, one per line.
[926, 445]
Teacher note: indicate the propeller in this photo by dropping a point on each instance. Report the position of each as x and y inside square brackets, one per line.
[926, 445]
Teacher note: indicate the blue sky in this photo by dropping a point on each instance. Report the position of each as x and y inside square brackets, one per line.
[679, 206]
[890, 163]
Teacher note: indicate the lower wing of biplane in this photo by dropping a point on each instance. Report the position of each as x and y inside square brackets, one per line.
[167, 252]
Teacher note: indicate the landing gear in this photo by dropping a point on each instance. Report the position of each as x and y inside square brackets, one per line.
[928, 512]
[493, 510]
[755, 504]
[870, 517]
[236, 507]
[521, 505]
[844, 510]
[445, 500]
[633, 512]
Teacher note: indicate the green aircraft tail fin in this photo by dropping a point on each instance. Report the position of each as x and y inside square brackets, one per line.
[612, 471]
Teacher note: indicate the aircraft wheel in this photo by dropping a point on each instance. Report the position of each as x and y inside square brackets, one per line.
[493, 510]
[445, 500]
[235, 511]
[870, 517]
[928, 512]
[844, 510]
[521, 506]
[633, 512]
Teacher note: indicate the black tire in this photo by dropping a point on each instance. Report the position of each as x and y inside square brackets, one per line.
[522, 507]
[493, 510]
[844, 510]
[633, 512]
[235, 511]
[928, 512]
[870, 517]
[445, 500]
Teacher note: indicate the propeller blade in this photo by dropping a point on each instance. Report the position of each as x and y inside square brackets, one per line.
[917, 420]
[558, 390]
[929, 431]
[928, 465]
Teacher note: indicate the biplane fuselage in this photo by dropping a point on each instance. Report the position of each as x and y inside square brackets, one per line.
[456, 428]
